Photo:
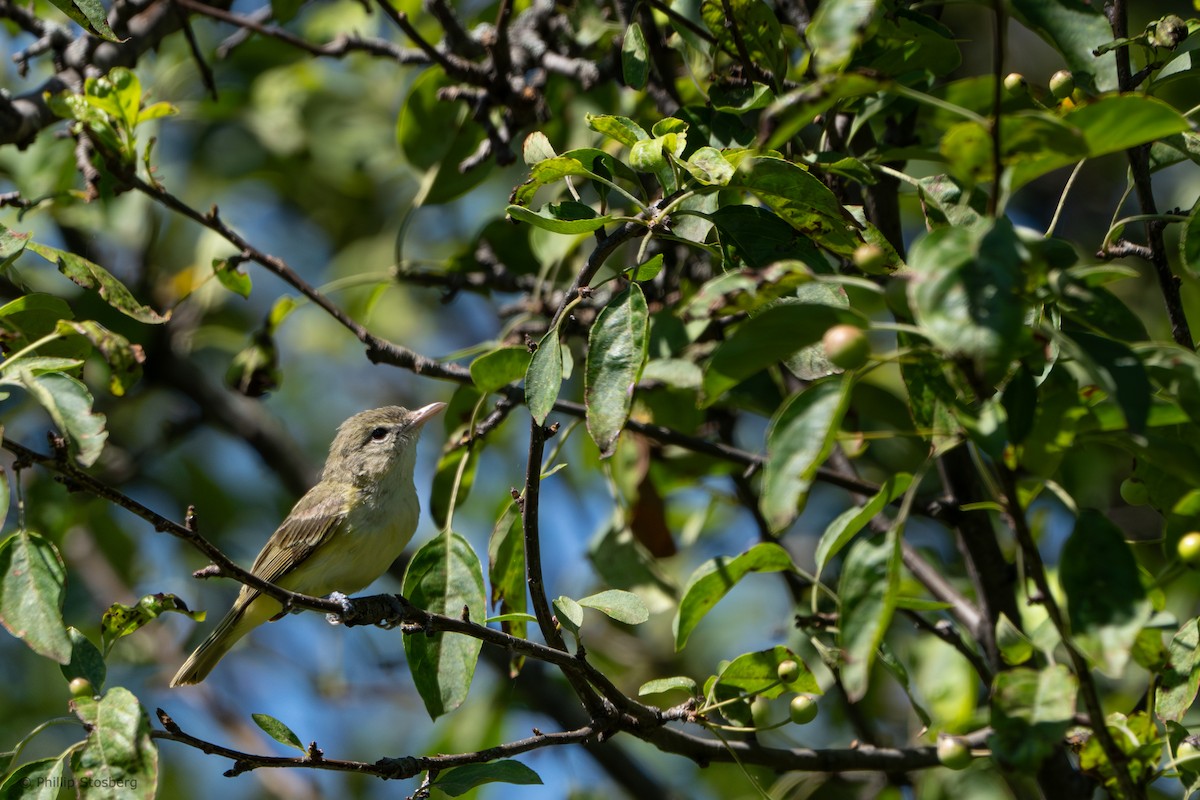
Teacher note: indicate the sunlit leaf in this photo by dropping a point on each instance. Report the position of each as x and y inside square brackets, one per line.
[616, 354]
[118, 757]
[460, 780]
[868, 588]
[32, 585]
[713, 579]
[278, 731]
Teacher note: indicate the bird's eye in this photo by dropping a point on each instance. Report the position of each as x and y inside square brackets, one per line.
[379, 434]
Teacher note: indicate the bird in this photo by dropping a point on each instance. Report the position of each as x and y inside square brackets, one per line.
[341, 535]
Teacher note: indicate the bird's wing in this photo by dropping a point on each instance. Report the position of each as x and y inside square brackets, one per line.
[311, 522]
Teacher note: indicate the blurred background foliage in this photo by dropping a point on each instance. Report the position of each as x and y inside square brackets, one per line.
[318, 161]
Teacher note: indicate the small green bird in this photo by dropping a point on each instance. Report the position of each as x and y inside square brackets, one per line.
[341, 535]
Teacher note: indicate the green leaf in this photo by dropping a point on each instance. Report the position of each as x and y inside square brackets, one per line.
[965, 294]
[86, 661]
[90, 15]
[568, 217]
[1181, 678]
[896, 668]
[768, 338]
[69, 404]
[1031, 712]
[124, 359]
[12, 244]
[616, 354]
[278, 731]
[622, 606]
[536, 148]
[441, 493]
[98, 279]
[232, 278]
[647, 270]
[759, 239]
[619, 129]
[1115, 368]
[756, 25]
[443, 577]
[121, 620]
[32, 316]
[748, 290]
[740, 98]
[801, 436]
[660, 685]
[1105, 598]
[1015, 647]
[635, 57]
[709, 167]
[1096, 308]
[836, 30]
[852, 520]
[1075, 30]
[758, 674]
[1137, 737]
[544, 377]
[713, 579]
[495, 370]
[570, 614]
[506, 570]
[1020, 404]
[544, 173]
[1108, 125]
[31, 594]
[460, 780]
[798, 197]
[868, 587]
[654, 154]
[1189, 240]
[4, 490]
[438, 135]
[119, 758]
[35, 780]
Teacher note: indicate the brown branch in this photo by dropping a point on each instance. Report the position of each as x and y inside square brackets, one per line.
[1139, 167]
[458, 68]
[387, 768]
[337, 48]
[143, 23]
[76, 479]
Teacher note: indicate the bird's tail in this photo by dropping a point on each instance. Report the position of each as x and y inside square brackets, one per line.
[241, 619]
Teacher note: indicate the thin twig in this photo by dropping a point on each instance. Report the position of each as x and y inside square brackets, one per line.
[1083, 673]
[1139, 166]
[387, 768]
[338, 47]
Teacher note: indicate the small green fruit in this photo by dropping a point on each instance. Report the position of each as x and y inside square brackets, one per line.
[871, 259]
[81, 687]
[1062, 83]
[788, 671]
[953, 752]
[1135, 492]
[1188, 548]
[1015, 83]
[802, 709]
[1186, 752]
[846, 346]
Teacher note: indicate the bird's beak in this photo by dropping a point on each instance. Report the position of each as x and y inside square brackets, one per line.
[422, 415]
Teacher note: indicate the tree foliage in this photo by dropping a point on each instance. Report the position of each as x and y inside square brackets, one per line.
[800, 357]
